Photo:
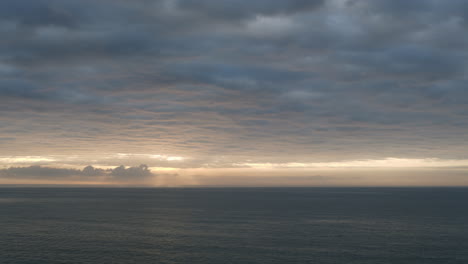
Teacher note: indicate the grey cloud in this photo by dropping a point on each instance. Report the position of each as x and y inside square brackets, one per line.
[129, 173]
[20, 88]
[88, 172]
[231, 9]
[191, 77]
[35, 13]
[38, 172]
[67, 47]
[397, 7]
[236, 77]
[91, 171]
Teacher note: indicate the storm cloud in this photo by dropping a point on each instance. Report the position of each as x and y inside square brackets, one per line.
[227, 82]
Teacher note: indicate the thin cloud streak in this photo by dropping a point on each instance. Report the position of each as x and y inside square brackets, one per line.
[390, 163]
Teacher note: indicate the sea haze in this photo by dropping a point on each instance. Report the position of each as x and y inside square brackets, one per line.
[233, 225]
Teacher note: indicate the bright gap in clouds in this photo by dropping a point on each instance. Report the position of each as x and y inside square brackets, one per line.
[380, 163]
[181, 162]
[151, 156]
[25, 159]
[168, 158]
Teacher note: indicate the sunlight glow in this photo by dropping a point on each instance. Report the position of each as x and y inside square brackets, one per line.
[24, 159]
[150, 156]
[168, 158]
[381, 163]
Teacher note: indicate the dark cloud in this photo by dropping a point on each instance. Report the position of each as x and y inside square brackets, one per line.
[272, 80]
[91, 171]
[238, 10]
[36, 13]
[88, 172]
[20, 89]
[131, 172]
[39, 172]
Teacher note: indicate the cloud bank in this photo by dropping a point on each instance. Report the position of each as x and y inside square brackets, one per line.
[120, 174]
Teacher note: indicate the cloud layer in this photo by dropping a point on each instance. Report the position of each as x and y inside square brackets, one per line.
[230, 82]
[117, 175]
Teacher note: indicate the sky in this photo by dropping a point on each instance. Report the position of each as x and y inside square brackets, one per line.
[234, 92]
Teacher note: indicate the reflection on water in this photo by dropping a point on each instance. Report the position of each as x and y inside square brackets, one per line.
[13, 200]
[238, 225]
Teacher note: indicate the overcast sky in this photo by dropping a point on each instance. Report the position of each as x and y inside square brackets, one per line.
[258, 92]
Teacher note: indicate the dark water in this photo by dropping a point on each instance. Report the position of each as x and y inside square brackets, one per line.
[277, 225]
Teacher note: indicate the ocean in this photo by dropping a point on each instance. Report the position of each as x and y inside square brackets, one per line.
[234, 225]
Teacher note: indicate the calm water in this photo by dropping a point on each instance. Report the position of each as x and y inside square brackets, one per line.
[272, 225]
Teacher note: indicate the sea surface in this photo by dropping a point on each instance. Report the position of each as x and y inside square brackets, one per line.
[234, 225]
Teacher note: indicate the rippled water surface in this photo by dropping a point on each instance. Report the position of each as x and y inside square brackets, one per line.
[238, 225]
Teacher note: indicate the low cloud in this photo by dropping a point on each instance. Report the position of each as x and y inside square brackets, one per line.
[132, 172]
[88, 173]
[38, 172]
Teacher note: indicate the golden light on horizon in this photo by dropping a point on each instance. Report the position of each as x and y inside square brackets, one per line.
[378, 163]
